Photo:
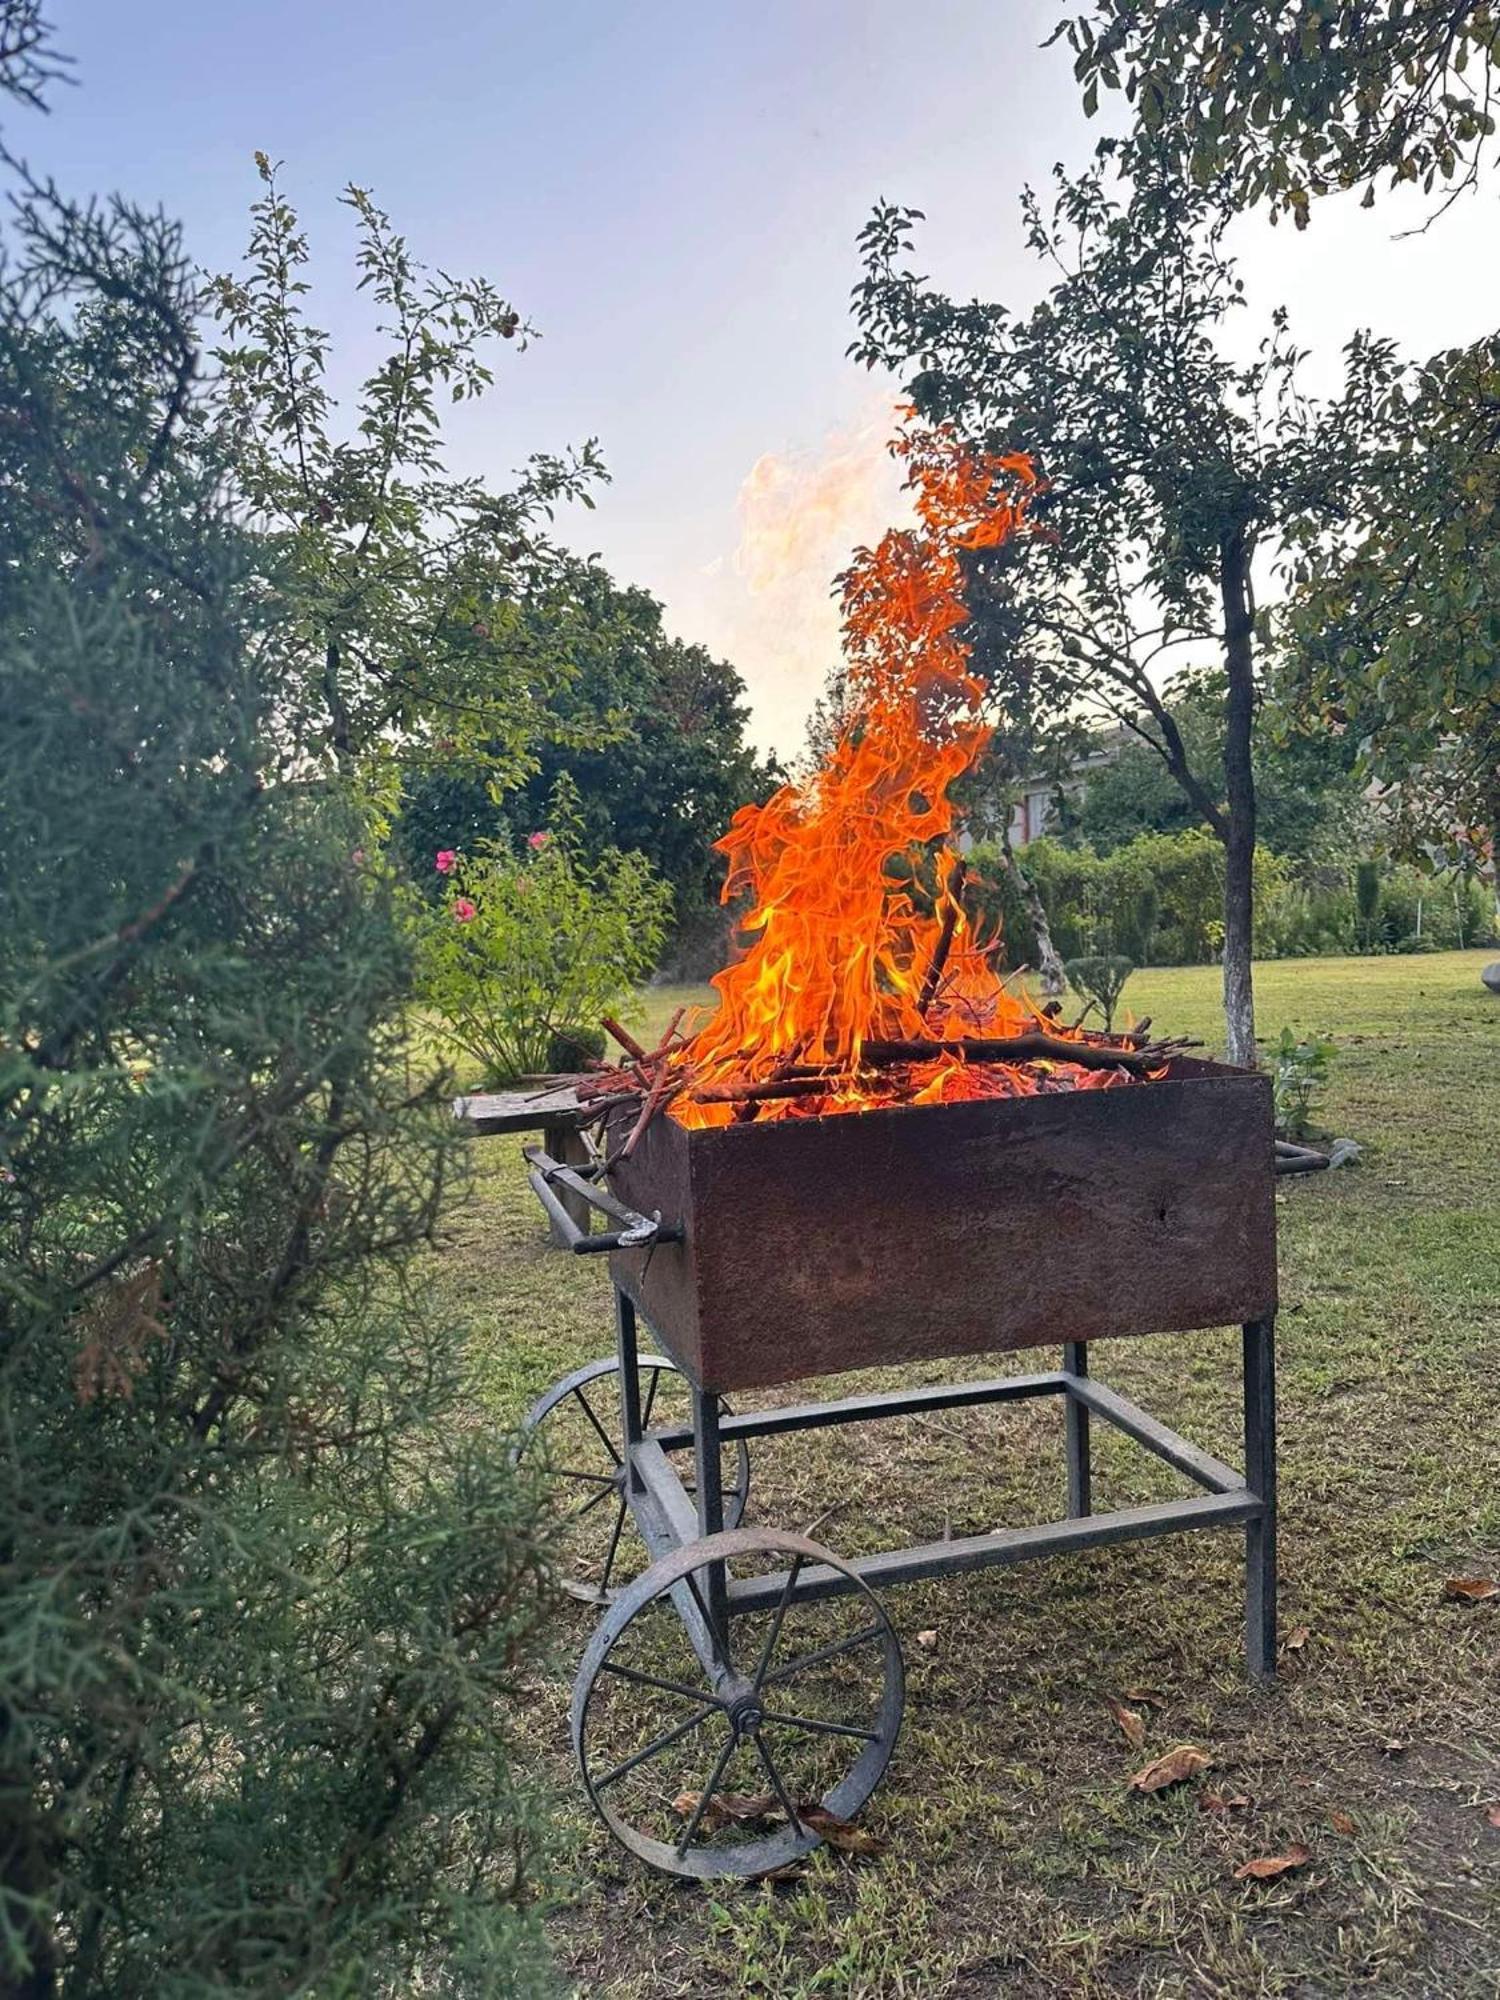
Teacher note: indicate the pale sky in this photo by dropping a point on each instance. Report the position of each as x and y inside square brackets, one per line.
[671, 192]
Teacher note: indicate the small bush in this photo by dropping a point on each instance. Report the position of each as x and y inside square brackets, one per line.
[1298, 1080]
[573, 1047]
[1101, 980]
[524, 945]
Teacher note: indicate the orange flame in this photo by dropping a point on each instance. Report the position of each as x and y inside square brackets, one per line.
[844, 937]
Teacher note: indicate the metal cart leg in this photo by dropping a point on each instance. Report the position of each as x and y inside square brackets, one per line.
[708, 1467]
[1260, 1477]
[1076, 1418]
[628, 1349]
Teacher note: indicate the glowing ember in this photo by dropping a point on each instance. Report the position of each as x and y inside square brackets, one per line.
[859, 940]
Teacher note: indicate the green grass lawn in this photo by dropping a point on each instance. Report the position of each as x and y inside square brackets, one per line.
[1017, 1862]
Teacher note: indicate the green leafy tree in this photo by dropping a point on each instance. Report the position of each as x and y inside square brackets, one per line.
[401, 636]
[1394, 627]
[1170, 473]
[1301, 97]
[649, 731]
[268, 1594]
[1398, 626]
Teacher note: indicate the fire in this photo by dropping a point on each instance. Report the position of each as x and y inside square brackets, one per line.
[858, 934]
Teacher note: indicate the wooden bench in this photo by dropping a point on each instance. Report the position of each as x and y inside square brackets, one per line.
[549, 1106]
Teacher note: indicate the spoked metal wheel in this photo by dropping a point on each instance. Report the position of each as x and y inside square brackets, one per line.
[578, 1425]
[728, 1772]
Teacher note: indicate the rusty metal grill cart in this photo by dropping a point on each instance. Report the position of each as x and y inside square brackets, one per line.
[765, 1253]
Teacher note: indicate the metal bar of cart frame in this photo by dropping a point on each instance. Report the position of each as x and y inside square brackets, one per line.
[669, 1518]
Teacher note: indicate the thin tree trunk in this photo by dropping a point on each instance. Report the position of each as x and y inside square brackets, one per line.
[1054, 979]
[1239, 784]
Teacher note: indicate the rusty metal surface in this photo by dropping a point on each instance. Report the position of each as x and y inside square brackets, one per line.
[816, 1245]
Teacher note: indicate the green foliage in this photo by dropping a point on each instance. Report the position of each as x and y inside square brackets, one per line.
[1299, 1076]
[399, 633]
[1310, 804]
[1290, 101]
[523, 945]
[1102, 980]
[670, 773]
[268, 1592]
[1157, 900]
[1394, 628]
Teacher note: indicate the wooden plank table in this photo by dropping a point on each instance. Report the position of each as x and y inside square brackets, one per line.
[548, 1105]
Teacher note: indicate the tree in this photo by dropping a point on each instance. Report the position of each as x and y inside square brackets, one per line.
[1169, 472]
[650, 732]
[267, 1588]
[1395, 625]
[400, 633]
[1293, 100]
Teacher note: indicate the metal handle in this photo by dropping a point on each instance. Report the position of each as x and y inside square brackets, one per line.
[635, 1232]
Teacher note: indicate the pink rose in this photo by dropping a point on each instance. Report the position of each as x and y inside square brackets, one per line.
[464, 910]
[446, 857]
[537, 841]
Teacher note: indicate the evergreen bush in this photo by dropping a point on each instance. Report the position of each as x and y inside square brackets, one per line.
[271, 1589]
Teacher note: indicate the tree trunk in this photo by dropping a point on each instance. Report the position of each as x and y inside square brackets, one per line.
[1054, 979]
[1239, 784]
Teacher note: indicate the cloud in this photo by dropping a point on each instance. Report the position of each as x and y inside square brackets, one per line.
[801, 515]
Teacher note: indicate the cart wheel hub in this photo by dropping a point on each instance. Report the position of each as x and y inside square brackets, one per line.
[746, 1716]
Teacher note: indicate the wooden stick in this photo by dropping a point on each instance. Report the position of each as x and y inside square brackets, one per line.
[624, 1037]
[945, 936]
[662, 1092]
[1010, 1049]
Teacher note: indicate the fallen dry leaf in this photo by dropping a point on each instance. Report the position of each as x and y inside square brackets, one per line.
[740, 1808]
[928, 1639]
[1297, 1638]
[1186, 1761]
[1471, 1589]
[1493, 1816]
[1225, 1802]
[1131, 1721]
[1151, 1697]
[1340, 1822]
[840, 1833]
[1266, 1867]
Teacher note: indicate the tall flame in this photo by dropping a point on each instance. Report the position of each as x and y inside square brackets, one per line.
[845, 940]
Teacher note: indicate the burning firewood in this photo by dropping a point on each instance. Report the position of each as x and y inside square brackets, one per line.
[859, 989]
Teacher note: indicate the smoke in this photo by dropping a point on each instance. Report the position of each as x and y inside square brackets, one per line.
[801, 516]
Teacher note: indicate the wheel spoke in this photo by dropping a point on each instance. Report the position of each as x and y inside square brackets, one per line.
[776, 1785]
[589, 1505]
[865, 1638]
[820, 1728]
[775, 1632]
[714, 1633]
[705, 1795]
[591, 1478]
[588, 1410]
[614, 1544]
[656, 1375]
[651, 1680]
[654, 1748]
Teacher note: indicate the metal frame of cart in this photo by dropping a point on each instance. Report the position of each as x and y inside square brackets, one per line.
[694, 1542]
